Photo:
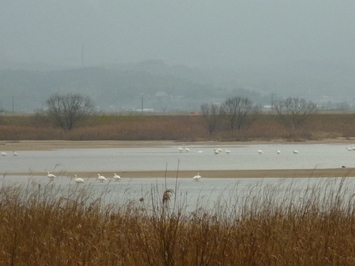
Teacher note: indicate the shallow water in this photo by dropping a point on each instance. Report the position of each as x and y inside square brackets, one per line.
[191, 195]
[207, 192]
[246, 157]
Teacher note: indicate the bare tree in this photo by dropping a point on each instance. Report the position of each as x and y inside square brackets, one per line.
[294, 111]
[211, 114]
[240, 112]
[67, 110]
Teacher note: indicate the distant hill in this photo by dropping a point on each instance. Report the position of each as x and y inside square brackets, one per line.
[162, 87]
[116, 88]
[111, 89]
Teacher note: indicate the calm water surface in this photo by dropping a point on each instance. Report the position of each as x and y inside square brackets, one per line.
[189, 194]
[310, 156]
[208, 192]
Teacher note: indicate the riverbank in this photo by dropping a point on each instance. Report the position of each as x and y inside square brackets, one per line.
[25, 145]
[269, 173]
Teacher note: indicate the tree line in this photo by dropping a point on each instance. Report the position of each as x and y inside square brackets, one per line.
[239, 113]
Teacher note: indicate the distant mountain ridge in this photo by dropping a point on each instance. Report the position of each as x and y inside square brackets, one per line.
[158, 86]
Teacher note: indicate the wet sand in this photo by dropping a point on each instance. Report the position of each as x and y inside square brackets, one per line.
[65, 144]
[282, 173]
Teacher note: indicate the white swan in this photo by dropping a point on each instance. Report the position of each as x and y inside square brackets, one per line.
[260, 152]
[3, 153]
[228, 151]
[278, 152]
[197, 177]
[116, 177]
[180, 149]
[187, 149]
[14, 153]
[78, 179]
[295, 151]
[101, 178]
[51, 176]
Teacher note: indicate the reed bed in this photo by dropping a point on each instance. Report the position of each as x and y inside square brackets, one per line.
[175, 127]
[265, 225]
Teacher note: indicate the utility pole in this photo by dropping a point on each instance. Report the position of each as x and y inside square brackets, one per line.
[272, 102]
[82, 55]
[142, 102]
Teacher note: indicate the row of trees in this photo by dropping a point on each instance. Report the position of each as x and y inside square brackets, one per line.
[241, 112]
[66, 111]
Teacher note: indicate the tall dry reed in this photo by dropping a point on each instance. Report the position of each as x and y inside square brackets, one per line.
[42, 225]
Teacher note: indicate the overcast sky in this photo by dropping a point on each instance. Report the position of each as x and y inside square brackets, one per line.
[190, 32]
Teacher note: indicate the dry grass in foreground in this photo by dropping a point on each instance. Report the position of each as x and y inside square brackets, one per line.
[40, 226]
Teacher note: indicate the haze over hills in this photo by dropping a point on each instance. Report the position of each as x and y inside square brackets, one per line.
[175, 55]
[161, 87]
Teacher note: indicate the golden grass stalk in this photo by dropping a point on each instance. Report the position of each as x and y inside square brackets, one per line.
[275, 224]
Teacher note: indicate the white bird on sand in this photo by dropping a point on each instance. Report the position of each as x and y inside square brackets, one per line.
[295, 151]
[14, 153]
[3, 153]
[78, 179]
[116, 177]
[278, 152]
[197, 177]
[51, 176]
[101, 178]
[260, 152]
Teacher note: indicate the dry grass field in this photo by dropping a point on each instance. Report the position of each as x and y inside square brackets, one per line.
[177, 128]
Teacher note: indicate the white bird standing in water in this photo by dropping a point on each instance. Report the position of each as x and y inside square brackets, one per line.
[116, 177]
[51, 176]
[278, 152]
[3, 153]
[101, 178]
[14, 153]
[197, 177]
[260, 152]
[295, 151]
[78, 179]
[180, 149]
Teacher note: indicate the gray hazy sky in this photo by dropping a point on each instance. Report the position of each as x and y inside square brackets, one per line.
[190, 32]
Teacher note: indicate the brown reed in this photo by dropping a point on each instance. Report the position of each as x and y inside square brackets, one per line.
[40, 225]
[175, 127]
